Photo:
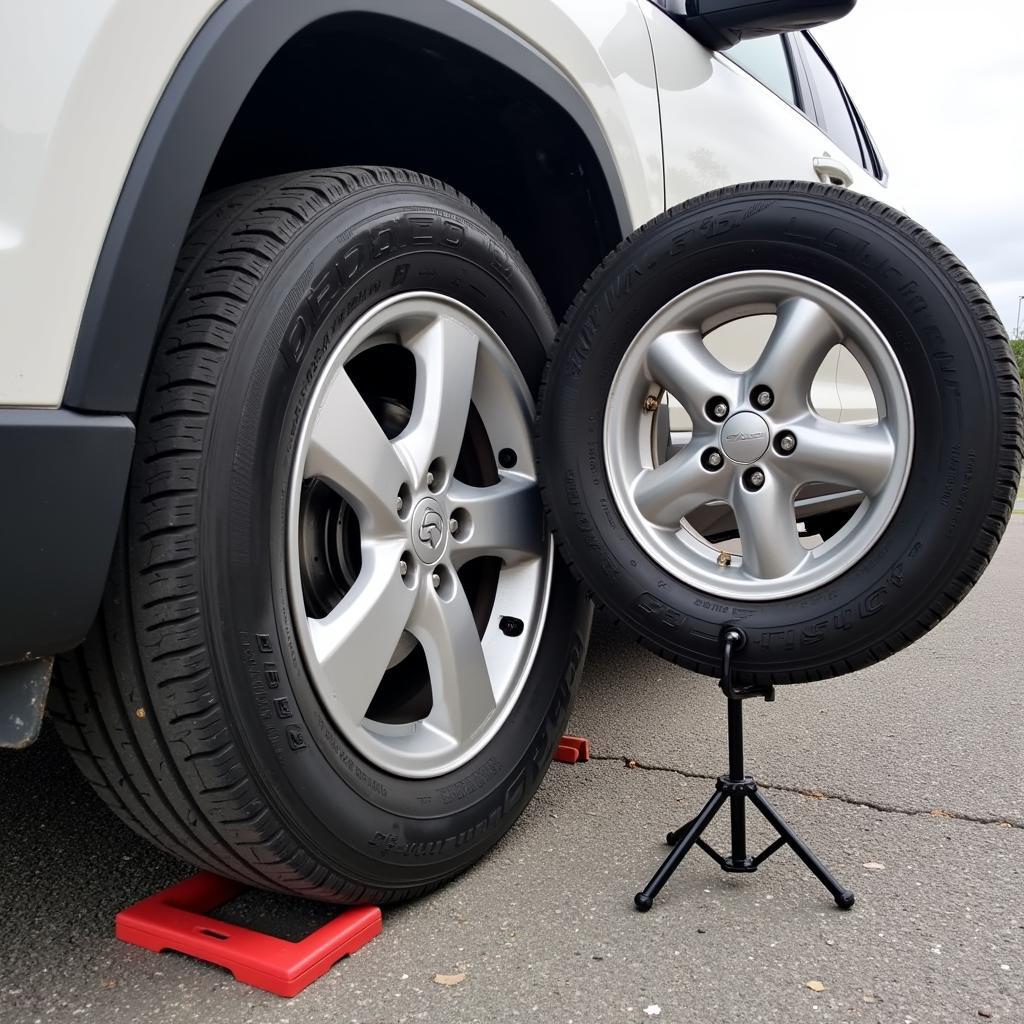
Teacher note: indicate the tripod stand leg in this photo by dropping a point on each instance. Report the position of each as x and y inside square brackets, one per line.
[673, 837]
[843, 897]
[644, 899]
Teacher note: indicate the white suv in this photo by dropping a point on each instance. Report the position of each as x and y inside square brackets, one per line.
[267, 401]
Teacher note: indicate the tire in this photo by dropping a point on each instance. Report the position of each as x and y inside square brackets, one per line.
[192, 707]
[963, 442]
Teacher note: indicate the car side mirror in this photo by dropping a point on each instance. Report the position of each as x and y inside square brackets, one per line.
[719, 24]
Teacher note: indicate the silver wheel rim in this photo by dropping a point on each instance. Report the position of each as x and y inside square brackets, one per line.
[419, 529]
[654, 497]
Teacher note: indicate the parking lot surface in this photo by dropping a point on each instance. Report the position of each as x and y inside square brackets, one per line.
[905, 778]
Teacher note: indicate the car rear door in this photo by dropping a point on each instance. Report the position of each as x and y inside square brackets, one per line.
[760, 110]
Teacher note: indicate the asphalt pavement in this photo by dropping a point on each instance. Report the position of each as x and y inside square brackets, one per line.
[906, 779]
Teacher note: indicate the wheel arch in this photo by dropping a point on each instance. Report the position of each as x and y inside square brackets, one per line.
[199, 137]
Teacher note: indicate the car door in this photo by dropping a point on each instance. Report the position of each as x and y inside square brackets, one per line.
[761, 110]
[825, 99]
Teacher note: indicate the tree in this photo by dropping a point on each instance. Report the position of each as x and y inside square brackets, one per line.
[1017, 344]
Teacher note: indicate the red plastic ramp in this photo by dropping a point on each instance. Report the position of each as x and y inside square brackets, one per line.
[177, 919]
[572, 749]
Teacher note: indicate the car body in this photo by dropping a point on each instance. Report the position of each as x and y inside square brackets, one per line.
[109, 143]
[610, 114]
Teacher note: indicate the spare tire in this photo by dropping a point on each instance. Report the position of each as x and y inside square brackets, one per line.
[682, 490]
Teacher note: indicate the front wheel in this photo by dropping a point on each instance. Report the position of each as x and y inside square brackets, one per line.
[707, 464]
[337, 647]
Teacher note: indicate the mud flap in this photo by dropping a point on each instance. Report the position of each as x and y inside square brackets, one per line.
[23, 689]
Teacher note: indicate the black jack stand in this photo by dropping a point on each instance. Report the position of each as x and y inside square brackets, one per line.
[737, 788]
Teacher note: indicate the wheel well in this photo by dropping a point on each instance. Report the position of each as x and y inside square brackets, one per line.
[360, 88]
[267, 85]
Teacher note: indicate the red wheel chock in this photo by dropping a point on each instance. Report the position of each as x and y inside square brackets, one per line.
[572, 749]
[176, 919]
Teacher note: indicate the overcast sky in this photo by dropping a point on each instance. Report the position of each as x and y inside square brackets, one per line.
[941, 87]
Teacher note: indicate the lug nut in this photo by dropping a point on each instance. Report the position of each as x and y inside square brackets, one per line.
[717, 409]
[651, 403]
[430, 478]
[398, 503]
[762, 397]
[436, 580]
[403, 568]
[453, 525]
[712, 459]
[785, 443]
[754, 479]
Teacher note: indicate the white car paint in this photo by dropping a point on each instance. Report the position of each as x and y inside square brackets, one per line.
[78, 83]
[79, 80]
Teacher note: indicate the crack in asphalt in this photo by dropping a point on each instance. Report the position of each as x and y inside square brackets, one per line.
[820, 794]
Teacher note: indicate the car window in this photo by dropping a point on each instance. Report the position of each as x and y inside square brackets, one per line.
[834, 114]
[767, 60]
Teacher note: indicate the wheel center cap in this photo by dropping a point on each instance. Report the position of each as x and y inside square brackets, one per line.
[745, 437]
[429, 529]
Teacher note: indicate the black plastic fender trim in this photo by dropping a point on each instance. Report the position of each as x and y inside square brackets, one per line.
[64, 476]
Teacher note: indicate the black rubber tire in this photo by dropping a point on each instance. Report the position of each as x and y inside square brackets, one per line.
[173, 707]
[965, 390]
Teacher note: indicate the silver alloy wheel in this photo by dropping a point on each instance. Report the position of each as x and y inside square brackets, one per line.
[741, 461]
[418, 526]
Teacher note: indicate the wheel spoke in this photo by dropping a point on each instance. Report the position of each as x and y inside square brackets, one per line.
[349, 451]
[803, 335]
[680, 362]
[767, 528]
[445, 353]
[459, 678]
[852, 455]
[355, 641]
[667, 494]
[505, 521]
